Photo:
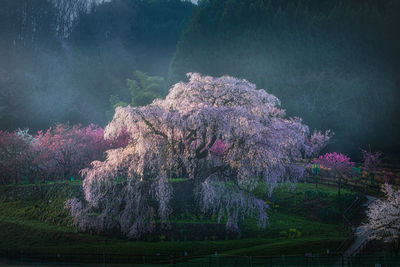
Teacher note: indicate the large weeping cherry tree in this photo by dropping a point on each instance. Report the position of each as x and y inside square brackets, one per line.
[222, 133]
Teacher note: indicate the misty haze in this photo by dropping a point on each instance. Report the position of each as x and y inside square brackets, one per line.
[219, 132]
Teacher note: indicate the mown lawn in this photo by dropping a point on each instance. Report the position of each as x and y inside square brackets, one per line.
[301, 220]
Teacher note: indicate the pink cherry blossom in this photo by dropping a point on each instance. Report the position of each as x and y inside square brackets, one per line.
[222, 133]
[384, 218]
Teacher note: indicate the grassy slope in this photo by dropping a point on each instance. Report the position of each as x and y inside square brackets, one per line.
[41, 226]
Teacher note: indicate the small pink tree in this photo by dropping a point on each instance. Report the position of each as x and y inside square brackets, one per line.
[371, 162]
[384, 218]
[222, 133]
[339, 165]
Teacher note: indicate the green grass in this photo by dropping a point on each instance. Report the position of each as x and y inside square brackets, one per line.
[36, 237]
[42, 227]
[318, 204]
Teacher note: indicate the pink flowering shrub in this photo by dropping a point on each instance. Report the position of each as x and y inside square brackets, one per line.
[56, 153]
[64, 150]
[339, 165]
[222, 133]
[337, 162]
[371, 161]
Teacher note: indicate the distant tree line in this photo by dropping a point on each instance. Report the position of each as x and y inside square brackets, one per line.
[61, 60]
[333, 63]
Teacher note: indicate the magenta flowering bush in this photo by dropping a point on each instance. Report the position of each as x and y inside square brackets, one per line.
[339, 165]
[337, 162]
[221, 133]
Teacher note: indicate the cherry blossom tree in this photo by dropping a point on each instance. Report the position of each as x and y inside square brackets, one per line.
[384, 218]
[222, 133]
[371, 162]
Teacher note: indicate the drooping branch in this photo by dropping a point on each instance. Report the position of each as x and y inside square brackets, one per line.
[221, 132]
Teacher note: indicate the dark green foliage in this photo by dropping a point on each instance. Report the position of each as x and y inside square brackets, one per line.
[50, 75]
[143, 90]
[315, 194]
[333, 63]
[42, 202]
[117, 38]
[26, 24]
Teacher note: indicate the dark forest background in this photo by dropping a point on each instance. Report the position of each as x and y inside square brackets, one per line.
[333, 63]
[61, 60]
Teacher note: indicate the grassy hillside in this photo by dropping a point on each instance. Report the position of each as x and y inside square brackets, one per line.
[301, 220]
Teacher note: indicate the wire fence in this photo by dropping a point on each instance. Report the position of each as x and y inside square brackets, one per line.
[357, 185]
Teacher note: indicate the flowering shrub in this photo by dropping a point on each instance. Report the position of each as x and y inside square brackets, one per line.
[59, 152]
[371, 161]
[220, 132]
[339, 164]
[64, 150]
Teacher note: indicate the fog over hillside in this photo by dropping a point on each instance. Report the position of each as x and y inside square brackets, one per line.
[335, 65]
[62, 59]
